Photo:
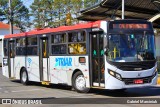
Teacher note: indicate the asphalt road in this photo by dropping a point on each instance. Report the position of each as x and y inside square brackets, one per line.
[14, 89]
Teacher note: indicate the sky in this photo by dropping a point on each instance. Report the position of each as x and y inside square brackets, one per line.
[27, 3]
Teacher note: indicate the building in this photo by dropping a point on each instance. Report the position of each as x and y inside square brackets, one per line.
[4, 29]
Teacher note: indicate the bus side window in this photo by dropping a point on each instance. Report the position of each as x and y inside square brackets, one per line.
[59, 44]
[59, 38]
[32, 46]
[5, 48]
[78, 44]
[81, 36]
[20, 46]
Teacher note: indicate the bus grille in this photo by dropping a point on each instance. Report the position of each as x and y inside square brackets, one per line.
[129, 81]
[134, 66]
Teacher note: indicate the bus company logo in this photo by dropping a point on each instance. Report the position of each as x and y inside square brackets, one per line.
[29, 61]
[139, 74]
[63, 62]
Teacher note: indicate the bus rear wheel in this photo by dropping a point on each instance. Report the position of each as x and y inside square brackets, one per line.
[79, 83]
[24, 77]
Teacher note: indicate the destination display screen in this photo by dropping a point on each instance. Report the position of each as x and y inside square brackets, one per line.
[130, 26]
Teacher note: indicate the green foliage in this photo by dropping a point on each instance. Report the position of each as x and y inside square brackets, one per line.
[54, 12]
[19, 11]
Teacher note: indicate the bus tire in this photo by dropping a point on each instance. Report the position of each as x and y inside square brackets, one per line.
[79, 83]
[24, 77]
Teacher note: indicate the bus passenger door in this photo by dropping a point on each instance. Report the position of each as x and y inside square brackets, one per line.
[11, 56]
[97, 59]
[44, 70]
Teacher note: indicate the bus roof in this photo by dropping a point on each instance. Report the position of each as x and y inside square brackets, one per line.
[58, 29]
[14, 35]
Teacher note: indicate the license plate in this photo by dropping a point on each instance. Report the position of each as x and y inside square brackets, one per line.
[138, 81]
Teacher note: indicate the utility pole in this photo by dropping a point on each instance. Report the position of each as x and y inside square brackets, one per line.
[122, 9]
[10, 18]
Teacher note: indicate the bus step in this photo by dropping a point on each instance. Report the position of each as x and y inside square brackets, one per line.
[12, 78]
[98, 87]
[45, 82]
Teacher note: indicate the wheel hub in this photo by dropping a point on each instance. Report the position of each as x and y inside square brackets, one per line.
[80, 82]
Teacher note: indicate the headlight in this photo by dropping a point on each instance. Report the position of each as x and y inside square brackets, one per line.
[155, 72]
[114, 74]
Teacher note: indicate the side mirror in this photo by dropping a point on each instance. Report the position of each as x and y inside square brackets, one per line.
[106, 50]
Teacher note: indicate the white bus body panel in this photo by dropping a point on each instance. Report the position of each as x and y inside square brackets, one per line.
[13, 74]
[5, 69]
[32, 63]
[63, 74]
[19, 62]
[45, 70]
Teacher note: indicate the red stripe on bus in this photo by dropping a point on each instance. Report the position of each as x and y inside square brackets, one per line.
[14, 35]
[58, 29]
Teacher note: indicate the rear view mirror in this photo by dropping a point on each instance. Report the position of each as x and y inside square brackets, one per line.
[106, 50]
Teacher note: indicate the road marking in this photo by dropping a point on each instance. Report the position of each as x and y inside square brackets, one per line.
[25, 90]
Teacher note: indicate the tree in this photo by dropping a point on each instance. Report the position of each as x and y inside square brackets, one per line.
[60, 8]
[43, 12]
[89, 3]
[20, 13]
[57, 12]
[77, 6]
[36, 12]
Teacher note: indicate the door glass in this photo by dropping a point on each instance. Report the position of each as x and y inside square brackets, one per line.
[101, 61]
[95, 58]
[44, 48]
[11, 48]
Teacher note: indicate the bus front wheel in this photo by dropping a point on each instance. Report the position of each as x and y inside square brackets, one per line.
[79, 83]
[24, 77]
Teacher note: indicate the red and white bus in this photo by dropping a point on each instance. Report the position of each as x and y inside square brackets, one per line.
[115, 54]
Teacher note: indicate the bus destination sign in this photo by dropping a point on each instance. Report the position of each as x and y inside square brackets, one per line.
[130, 26]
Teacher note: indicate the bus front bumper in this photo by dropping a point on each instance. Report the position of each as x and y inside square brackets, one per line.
[113, 83]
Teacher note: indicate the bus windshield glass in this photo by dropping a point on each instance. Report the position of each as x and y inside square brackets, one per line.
[130, 47]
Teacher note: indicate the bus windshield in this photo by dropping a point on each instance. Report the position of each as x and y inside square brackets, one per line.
[130, 47]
